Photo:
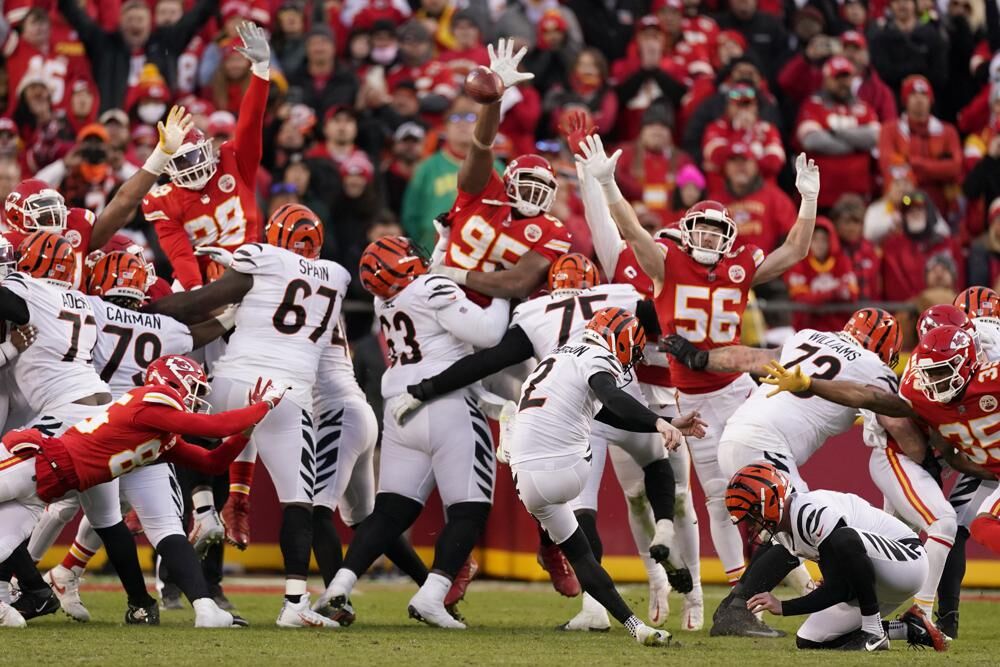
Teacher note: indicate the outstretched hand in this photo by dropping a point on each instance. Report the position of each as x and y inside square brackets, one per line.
[575, 127]
[778, 376]
[172, 133]
[255, 47]
[504, 62]
[593, 158]
[806, 177]
[690, 424]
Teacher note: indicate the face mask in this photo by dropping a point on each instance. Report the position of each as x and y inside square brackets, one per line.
[383, 55]
[151, 112]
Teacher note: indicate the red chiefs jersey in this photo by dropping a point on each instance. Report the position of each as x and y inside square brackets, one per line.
[841, 173]
[705, 304]
[486, 237]
[56, 68]
[223, 213]
[433, 76]
[971, 422]
[79, 229]
[700, 30]
[627, 271]
[139, 428]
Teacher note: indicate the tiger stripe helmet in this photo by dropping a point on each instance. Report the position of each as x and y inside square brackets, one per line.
[390, 264]
[757, 494]
[573, 271]
[49, 257]
[619, 331]
[295, 227]
[979, 302]
[118, 274]
[877, 331]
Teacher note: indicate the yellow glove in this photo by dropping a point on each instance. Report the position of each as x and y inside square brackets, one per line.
[172, 133]
[793, 380]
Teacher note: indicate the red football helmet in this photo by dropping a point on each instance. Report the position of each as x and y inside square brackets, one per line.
[757, 494]
[573, 271]
[35, 205]
[390, 264]
[877, 331]
[8, 258]
[185, 376]
[619, 331]
[944, 361]
[945, 314]
[194, 163]
[530, 184]
[708, 231]
[119, 274]
[294, 227]
[979, 302]
[48, 257]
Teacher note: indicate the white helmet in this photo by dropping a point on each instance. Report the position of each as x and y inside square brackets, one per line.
[194, 163]
[713, 214]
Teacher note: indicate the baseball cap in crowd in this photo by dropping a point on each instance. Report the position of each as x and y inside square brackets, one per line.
[649, 22]
[8, 125]
[93, 130]
[915, 83]
[853, 38]
[320, 30]
[221, 124]
[690, 175]
[302, 117]
[837, 66]
[357, 164]
[114, 116]
[734, 36]
[552, 20]
[409, 130]
[738, 150]
[338, 109]
[414, 31]
[657, 114]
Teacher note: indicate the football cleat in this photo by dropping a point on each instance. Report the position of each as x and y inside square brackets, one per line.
[32, 604]
[339, 609]
[142, 615]
[66, 585]
[592, 618]
[170, 598]
[920, 632]
[660, 550]
[236, 519]
[866, 641]
[948, 624]
[207, 614]
[693, 612]
[222, 601]
[553, 561]
[733, 619]
[10, 617]
[648, 636]
[432, 613]
[206, 531]
[461, 582]
[299, 615]
[659, 603]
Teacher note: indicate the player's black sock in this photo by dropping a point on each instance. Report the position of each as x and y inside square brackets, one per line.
[392, 515]
[660, 488]
[588, 522]
[296, 541]
[593, 577]
[23, 565]
[185, 566]
[326, 543]
[769, 565]
[834, 643]
[402, 555]
[543, 537]
[120, 546]
[464, 526]
[950, 588]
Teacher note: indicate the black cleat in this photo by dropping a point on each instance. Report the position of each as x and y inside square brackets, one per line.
[170, 598]
[340, 610]
[733, 619]
[239, 621]
[679, 577]
[142, 615]
[948, 624]
[222, 601]
[40, 602]
[920, 632]
[866, 641]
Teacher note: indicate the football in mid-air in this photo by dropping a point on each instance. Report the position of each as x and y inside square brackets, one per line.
[483, 85]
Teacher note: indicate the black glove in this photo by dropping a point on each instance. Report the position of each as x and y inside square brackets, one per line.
[423, 390]
[685, 352]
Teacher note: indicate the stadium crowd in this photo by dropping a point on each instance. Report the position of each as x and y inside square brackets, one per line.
[367, 123]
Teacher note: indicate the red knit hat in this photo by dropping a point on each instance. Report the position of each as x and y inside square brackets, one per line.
[915, 83]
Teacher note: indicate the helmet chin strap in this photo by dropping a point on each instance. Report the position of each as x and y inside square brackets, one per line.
[706, 257]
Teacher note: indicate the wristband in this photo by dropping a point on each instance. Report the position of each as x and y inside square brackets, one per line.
[157, 161]
[612, 193]
[227, 318]
[262, 70]
[480, 145]
[458, 275]
[807, 209]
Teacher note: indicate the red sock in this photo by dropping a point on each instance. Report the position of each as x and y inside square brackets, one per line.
[76, 558]
[986, 531]
[240, 476]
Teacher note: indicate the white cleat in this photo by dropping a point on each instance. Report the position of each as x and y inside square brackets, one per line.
[693, 612]
[66, 585]
[659, 603]
[206, 530]
[207, 614]
[588, 620]
[299, 615]
[10, 617]
[648, 636]
[432, 613]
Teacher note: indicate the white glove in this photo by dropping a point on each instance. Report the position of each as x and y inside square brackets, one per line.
[444, 239]
[672, 438]
[504, 62]
[597, 163]
[172, 133]
[255, 47]
[456, 274]
[265, 391]
[506, 420]
[806, 178]
[403, 406]
[216, 254]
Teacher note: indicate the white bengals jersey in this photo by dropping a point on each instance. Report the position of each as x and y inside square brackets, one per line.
[420, 344]
[58, 368]
[801, 423]
[988, 329]
[815, 514]
[128, 341]
[335, 379]
[285, 321]
[557, 405]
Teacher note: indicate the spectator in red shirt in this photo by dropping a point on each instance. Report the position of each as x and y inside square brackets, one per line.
[910, 247]
[434, 85]
[869, 86]
[802, 75]
[763, 213]
[519, 114]
[839, 131]
[587, 87]
[468, 50]
[742, 124]
[824, 277]
[848, 216]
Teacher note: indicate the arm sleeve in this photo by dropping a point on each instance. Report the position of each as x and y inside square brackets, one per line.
[842, 560]
[513, 348]
[608, 242]
[630, 413]
[206, 461]
[821, 141]
[90, 33]
[862, 138]
[250, 128]
[182, 32]
[645, 310]
[198, 425]
[177, 246]
[480, 327]
[12, 307]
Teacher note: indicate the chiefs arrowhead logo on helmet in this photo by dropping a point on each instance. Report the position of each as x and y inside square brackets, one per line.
[185, 376]
[944, 361]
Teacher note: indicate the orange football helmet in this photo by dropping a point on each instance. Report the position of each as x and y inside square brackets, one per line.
[757, 494]
[118, 274]
[390, 264]
[979, 302]
[573, 271]
[619, 331]
[878, 331]
[295, 227]
[49, 257]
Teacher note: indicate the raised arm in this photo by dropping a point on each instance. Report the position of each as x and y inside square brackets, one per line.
[796, 245]
[195, 305]
[850, 394]
[90, 33]
[731, 359]
[249, 134]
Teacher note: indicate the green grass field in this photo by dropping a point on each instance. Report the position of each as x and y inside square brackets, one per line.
[509, 624]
